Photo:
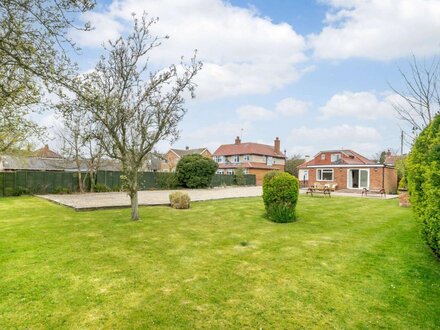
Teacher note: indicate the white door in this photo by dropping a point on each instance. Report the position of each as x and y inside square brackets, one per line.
[364, 178]
[358, 179]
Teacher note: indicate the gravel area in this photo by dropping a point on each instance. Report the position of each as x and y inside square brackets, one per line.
[91, 201]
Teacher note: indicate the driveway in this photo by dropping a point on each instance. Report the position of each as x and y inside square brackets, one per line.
[92, 201]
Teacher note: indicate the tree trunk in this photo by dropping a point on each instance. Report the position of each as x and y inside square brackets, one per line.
[80, 182]
[134, 205]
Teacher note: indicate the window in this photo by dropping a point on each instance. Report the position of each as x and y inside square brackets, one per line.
[220, 172]
[323, 156]
[324, 175]
[335, 157]
[236, 159]
[247, 157]
[246, 171]
[219, 159]
[269, 160]
[230, 172]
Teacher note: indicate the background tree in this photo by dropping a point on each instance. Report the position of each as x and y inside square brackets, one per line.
[133, 107]
[79, 143]
[195, 171]
[420, 99]
[239, 176]
[292, 164]
[33, 53]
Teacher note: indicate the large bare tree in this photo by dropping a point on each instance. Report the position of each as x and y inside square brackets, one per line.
[133, 106]
[420, 98]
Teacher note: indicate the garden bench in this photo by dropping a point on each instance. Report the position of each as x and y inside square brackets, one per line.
[380, 191]
[318, 190]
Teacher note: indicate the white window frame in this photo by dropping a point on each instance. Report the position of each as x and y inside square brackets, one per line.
[359, 169]
[230, 172]
[220, 172]
[322, 156]
[246, 171]
[321, 171]
[219, 159]
[335, 157]
[236, 159]
[247, 157]
[269, 160]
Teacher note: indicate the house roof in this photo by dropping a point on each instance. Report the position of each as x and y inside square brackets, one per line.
[352, 158]
[45, 152]
[33, 163]
[184, 152]
[248, 148]
[392, 159]
[224, 166]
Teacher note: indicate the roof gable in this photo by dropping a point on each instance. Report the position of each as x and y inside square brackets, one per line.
[184, 152]
[247, 148]
[349, 157]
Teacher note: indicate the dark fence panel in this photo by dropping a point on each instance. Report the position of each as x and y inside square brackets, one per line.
[46, 182]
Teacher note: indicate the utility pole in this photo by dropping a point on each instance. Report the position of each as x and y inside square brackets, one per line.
[401, 142]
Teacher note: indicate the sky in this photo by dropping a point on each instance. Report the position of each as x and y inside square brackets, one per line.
[316, 74]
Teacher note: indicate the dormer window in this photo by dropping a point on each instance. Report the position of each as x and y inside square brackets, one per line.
[236, 159]
[247, 157]
[335, 157]
[269, 160]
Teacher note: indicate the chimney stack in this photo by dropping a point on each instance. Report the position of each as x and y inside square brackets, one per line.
[277, 145]
[237, 140]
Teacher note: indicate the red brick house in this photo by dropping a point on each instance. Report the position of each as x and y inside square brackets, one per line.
[349, 170]
[254, 158]
[173, 156]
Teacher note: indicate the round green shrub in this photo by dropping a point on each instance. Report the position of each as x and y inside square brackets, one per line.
[423, 176]
[280, 195]
[195, 171]
[180, 200]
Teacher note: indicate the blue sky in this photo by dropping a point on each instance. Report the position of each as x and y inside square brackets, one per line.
[314, 73]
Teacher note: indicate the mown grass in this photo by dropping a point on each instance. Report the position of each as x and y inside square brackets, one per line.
[347, 263]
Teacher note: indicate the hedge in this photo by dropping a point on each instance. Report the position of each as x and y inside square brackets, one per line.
[423, 176]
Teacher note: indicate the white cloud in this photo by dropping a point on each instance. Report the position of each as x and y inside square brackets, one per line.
[243, 52]
[254, 113]
[362, 139]
[361, 105]
[212, 136]
[339, 133]
[379, 29]
[292, 107]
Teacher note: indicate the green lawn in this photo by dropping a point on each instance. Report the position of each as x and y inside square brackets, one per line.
[347, 263]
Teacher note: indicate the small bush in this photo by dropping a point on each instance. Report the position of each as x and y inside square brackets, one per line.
[423, 175]
[166, 180]
[195, 171]
[99, 187]
[403, 185]
[180, 200]
[62, 190]
[280, 195]
[240, 179]
[21, 191]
